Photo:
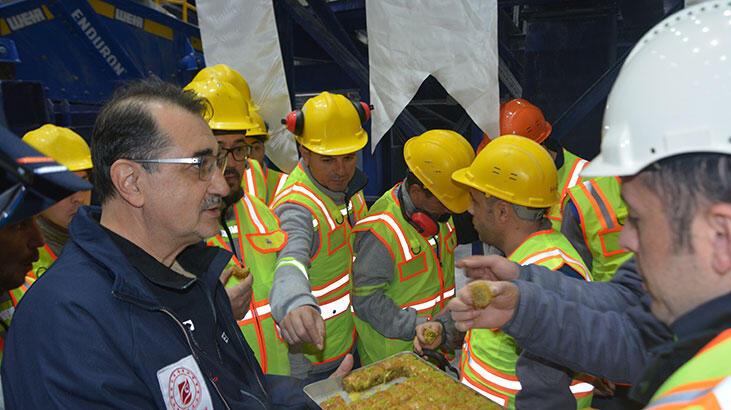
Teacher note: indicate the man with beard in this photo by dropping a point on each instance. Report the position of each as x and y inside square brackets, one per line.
[513, 186]
[249, 230]
[317, 207]
[403, 274]
[69, 149]
[675, 162]
[133, 311]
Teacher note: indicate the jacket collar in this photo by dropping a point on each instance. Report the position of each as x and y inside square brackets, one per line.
[95, 241]
[714, 314]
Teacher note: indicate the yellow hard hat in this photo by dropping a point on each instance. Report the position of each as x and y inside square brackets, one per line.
[433, 156]
[515, 169]
[226, 74]
[260, 130]
[61, 144]
[227, 109]
[330, 124]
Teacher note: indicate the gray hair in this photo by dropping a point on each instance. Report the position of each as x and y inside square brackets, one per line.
[684, 183]
[125, 128]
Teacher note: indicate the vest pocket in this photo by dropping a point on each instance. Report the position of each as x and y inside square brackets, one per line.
[412, 268]
[336, 239]
[267, 242]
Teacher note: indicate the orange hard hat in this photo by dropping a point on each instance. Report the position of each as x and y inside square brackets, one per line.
[520, 117]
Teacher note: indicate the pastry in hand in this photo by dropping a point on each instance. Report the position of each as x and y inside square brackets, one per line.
[432, 334]
[481, 294]
[239, 272]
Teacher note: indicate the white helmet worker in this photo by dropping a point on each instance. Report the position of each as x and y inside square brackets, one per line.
[672, 94]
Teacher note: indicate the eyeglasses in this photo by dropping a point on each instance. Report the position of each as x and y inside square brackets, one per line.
[206, 164]
[239, 153]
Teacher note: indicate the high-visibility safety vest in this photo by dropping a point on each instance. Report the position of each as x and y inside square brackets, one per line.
[704, 382]
[568, 175]
[256, 230]
[254, 182]
[489, 356]
[602, 213]
[261, 182]
[46, 257]
[330, 268]
[275, 183]
[7, 308]
[423, 272]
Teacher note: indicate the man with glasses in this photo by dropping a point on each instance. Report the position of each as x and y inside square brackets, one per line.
[248, 229]
[133, 313]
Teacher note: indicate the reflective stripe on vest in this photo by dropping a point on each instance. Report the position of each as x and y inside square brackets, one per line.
[336, 307]
[333, 286]
[280, 184]
[422, 306]
[303, 190]
[499, 400]
[395, 228]
[255, 218]
[250, 185]
[701, 379]
[574, 176]
[539, 257]
[261, 311]
[718, 396]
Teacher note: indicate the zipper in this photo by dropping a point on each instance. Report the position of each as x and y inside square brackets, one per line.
[192, 350]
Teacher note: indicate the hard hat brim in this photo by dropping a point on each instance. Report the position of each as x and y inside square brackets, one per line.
[360, 141]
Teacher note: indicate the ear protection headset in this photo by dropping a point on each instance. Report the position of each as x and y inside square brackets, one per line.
[295, 120]
[419, 219]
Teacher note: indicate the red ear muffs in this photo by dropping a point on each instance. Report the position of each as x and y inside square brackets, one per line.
[363, 109]
[424, 223]
[295, 122]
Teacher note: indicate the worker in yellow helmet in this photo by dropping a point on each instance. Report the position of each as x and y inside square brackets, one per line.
[512, 182]
[258, 179]
[317, 207]
[69, 149]
[248, 228]
[273, 180]
[403, 274]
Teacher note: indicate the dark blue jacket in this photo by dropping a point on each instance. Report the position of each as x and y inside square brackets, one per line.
[90, 334]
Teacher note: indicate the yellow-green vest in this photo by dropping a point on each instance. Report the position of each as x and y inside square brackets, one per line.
[46, 257]
[602, 213]
[422, 280]
[275, 183]
[704, 382]
[7, 308]
[568, 175]
[489, 356]
[254, 181]
[329, 269]
[256, 229]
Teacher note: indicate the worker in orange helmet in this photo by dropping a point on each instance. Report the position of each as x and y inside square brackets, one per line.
[582, 200]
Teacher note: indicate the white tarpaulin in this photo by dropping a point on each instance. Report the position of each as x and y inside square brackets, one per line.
[244, 36]
[455, 41]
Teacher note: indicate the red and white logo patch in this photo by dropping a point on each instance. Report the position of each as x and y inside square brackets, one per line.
[183, 386]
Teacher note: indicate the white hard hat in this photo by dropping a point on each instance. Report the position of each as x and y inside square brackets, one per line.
[672, 95]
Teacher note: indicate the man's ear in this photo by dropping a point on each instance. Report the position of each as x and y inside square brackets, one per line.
[304, 154]
[125, 176]
[719, 220]
[502, 211]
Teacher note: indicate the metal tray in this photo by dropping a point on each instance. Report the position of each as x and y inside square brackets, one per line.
[325, 389]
